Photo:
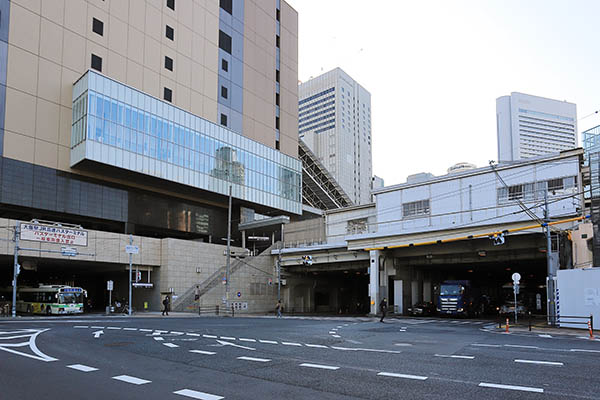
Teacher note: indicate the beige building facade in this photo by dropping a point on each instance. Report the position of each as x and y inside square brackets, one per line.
[138, 116]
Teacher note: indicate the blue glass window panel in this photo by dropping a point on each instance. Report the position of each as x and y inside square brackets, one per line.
[113, 133]
[119, 136]
[175, 154]
[126, 138]
[140, 121]
[146, 145]
[189, 139]
[91, 103]
[113, 111]
[170, 152]
[134, 118]
[153, 126]
[190, 158]
[128, 117]
[120, 114]
[163, 150]
[159, 126]
[140, 143]
[152, 147]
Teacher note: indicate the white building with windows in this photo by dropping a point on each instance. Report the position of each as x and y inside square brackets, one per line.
[334, 120]
[531, 126]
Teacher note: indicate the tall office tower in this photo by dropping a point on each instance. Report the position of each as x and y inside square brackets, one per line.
[334, 114]
[530, 126]
[137, 116]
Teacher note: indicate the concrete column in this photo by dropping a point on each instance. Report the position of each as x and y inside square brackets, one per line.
[374, 280]
[243, 239]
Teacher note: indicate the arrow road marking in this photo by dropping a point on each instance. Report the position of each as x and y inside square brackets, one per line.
[234, 345]
[97, 334]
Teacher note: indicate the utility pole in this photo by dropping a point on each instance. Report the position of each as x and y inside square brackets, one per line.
[550, 291]
[279, 266]
[16, 270]
[228, 248]
[130, 285]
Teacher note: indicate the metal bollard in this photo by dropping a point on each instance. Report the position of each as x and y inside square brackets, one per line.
[529, 321]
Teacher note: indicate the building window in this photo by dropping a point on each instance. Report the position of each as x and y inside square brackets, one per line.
[168, 94]
[96, 63]
[224, 41]
[277, 75]
[223, 119]
[171, 4]
[227, 5]
[277, 41]
[98, 26]
[415, 208]
[170, 33]
[224, 65]
[223, 92]
[276, 122]
[169, 63]
[276, 99]
[278, 14]
[277, 145]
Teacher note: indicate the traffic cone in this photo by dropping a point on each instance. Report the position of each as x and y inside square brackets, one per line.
[590, 329]
[507, 325]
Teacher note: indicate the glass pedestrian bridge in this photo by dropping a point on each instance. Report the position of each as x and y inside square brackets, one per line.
[120, 126]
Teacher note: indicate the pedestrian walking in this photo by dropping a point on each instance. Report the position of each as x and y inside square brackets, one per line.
[383, 309]
[166, 304]
[278, 307]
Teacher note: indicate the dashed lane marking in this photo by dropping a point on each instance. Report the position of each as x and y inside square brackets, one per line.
[206, 353]
[455, 356]
[113, 327]
[485, 345]
[170, 345]
[263, 360]
[585, 350]
[520, 346]
[539, 362]
[511, 387]
[227, 338]
[145, 330]
[197, 395]
[332, 332]
[405, 376]
[131, 379]
[80, 326]
[209, 336]
[130, 329]
[336, 336]
[193, 334]
[320, 366]
[82, 368]
[97, 327]
[247, 340]
[176, 333]
[267, 341]
[159, 338]
[317, 346]
[545, 336]
[291, 344]
[367, 350]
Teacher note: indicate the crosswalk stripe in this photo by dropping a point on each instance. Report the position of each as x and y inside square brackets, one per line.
[82, 368]
[253, 359]
[197, 395]
[511, 387]
[330, 367]
[207, 353]
[405, 376]
[131, 379]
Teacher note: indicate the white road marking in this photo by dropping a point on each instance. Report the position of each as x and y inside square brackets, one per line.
[394, 375]
[332, 332]
[206, 353]
[130, 329]
[82, 368]
[170, 345]
[176, 333]
[545, 336]
[363, 349]
[521, 346]
[254, 359]
[329, 367]
[97, 334]
[234, 345]
[455, 322]
[317, 346]
[336, 336]
[227, 338]
[339, 326]
[131, 379]
[455, 356]
[159, 338]
[113, 327]
[193, 334]
[511, 387]
[538, 362]
[80, 326]
[267, 341]
[32, 334]
[486, 345]
[291, 344]
[97, 327]
[197, 395]
[403, 344]
[145, 330]
[247, 340]
[209, 336]
[585, 350]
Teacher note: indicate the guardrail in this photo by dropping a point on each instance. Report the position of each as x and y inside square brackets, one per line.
[586, 322]
[216, 310]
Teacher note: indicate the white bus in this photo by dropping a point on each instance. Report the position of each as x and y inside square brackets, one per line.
[51, 299]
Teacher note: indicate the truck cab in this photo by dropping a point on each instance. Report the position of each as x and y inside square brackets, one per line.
[453, 298]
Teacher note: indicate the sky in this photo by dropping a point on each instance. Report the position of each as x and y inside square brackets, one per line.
[435, 68]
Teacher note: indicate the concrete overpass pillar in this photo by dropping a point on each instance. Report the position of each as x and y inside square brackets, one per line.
[374, 280]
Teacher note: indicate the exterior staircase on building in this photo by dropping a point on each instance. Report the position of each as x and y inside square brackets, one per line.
[188, 302]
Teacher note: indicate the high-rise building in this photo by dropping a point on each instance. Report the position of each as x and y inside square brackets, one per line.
[334, 120]
[531, 126]
[140, 117]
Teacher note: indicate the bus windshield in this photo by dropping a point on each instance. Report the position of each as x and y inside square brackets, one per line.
[70, 298]
[452, 290]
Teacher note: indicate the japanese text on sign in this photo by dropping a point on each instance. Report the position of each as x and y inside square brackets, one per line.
[53, 234]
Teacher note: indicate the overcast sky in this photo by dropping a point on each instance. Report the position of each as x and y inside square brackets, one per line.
[435, 68]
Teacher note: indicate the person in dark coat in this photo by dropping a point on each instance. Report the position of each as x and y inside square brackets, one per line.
[383, 309]
[166, 304]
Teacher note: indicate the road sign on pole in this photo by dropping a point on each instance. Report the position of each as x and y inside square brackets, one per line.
[516, 277]
[130, 249]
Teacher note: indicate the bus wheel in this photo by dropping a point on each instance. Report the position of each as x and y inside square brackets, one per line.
[29, 310]
[48, 310]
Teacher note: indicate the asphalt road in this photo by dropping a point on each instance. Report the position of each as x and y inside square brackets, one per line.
[98, 357]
